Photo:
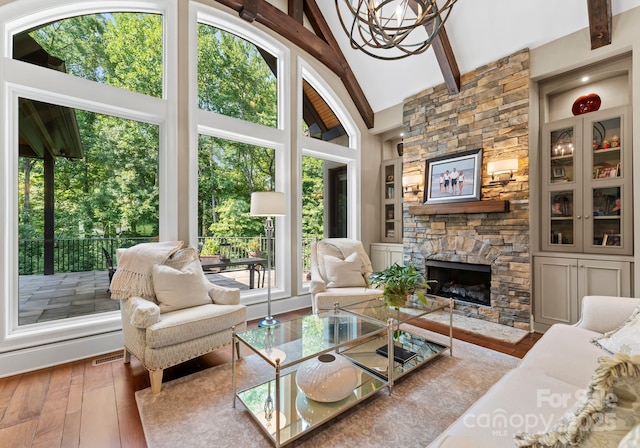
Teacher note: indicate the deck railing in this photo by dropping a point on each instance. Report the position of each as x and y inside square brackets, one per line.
[86, 254]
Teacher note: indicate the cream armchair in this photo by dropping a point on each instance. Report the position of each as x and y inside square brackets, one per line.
[340, 270]
[187, 316]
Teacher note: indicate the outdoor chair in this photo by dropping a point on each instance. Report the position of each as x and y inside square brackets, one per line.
[110, 266]
[171, 312]
[340, 270]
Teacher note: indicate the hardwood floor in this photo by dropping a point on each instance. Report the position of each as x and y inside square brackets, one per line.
[81, 405]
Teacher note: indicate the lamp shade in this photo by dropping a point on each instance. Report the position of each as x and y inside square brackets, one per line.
[268, 203]
[502, 166]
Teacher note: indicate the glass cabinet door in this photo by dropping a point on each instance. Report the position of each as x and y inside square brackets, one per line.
[562, 174]
[562, 155]
[392, 201]
[607, 226]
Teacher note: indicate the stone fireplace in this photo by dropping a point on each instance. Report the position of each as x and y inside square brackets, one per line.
[490, 112]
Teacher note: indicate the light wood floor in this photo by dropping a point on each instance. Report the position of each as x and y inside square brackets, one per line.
[79, 405]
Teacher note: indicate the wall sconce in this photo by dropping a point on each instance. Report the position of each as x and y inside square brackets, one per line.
[411, 183]
[415, 189]
[502, 171]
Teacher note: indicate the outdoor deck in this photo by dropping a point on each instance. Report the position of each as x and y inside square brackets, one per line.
[51, 297]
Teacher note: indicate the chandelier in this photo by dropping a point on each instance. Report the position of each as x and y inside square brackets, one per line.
[409, 26]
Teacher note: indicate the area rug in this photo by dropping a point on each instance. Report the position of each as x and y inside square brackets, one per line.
[485, 328]
[196, 410]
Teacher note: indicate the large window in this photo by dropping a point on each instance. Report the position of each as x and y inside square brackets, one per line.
[119, 49]
[235, 77]
[104, 146]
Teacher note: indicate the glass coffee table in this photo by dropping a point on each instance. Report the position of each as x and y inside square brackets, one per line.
[281, 410]
[410, 350]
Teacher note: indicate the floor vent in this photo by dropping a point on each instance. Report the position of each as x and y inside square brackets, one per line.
[106, 359]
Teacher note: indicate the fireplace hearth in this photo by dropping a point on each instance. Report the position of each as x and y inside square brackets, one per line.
[465, 282]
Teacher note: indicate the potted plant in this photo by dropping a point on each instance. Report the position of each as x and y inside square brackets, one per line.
[210, 251]
[253, 248]
[399, 282]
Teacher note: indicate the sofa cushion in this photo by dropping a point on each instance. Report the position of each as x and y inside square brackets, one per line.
[625, 339]
[192, 323]
[565, 353]
[177, 289]
[523, 400]
[344, 273]
[603, 415]
[326, 250]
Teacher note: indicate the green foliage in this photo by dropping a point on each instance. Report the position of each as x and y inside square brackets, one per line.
[399, 281]
[211, 247]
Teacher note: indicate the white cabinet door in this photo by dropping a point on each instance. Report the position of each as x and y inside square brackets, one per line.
[561, 283]
[556, 280]
[384, 255]
[603, 278]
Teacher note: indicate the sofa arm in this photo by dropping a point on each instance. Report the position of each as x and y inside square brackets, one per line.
[317, 283]
[606, 313]
[224, 296]
[142, 313]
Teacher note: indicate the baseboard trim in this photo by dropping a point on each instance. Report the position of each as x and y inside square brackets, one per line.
[40, 357]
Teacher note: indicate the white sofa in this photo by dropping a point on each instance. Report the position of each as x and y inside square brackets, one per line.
[546, 383]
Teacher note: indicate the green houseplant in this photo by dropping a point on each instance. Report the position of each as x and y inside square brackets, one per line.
[399, 282]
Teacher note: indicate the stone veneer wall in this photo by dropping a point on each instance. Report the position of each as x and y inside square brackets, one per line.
[490, 112]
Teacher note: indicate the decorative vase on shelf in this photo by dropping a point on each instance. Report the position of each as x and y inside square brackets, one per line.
[327, 378]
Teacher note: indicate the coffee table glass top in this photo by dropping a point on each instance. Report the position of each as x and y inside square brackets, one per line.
[378, 310]
[299, 339]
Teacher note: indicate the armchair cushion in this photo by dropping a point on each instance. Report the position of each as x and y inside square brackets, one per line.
[344, 273]
[192, 323]
[143, 313]
[224, 296]
[177, 289]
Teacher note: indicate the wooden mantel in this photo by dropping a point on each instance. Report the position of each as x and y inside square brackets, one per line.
[491, 206]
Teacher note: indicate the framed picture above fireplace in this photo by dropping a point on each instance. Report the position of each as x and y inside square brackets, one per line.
[453, 178]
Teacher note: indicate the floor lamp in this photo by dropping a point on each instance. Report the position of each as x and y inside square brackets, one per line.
[268, 203]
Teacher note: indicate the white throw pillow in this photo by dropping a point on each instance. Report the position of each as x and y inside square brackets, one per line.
[624, 339]
[177, 289]
[632, 439]
[344, 273]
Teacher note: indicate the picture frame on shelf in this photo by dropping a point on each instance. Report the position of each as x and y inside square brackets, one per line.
[558, 172]
[612, 239]
[607, 172]
[461, 175]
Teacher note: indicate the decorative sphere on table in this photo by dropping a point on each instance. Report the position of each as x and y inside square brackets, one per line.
[327, 378]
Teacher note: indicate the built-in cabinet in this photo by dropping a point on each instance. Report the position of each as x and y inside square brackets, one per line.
[385, 254]
[586, 201]
[562, 282]
[391, 201]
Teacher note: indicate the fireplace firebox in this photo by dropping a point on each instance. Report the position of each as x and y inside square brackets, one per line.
[461, 281]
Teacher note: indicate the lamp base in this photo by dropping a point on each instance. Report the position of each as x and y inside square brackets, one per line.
[268, 321]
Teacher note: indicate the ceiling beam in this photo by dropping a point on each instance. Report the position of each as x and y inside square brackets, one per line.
[296, 10]
[599, 22]
[447, 61]
[319, 47]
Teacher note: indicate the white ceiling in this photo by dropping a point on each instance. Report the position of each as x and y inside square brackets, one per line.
[479, 31]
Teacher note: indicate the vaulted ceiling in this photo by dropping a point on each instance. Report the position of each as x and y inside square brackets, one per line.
[478, 33]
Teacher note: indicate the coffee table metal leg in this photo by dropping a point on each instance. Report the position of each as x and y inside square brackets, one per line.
[390, 351]
[451, 303]
[234, 341]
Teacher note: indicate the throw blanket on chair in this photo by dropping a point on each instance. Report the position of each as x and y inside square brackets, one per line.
[133, 276]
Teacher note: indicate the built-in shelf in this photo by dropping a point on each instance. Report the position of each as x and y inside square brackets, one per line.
[491, 206]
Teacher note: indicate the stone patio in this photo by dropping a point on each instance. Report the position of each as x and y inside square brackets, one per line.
[45, 298]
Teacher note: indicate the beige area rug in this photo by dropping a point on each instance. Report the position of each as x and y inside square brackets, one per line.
[196, 410]
[479, 326]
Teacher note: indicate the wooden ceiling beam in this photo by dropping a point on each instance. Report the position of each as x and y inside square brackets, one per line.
[599, 22]
[296, 10]
[324, 48]
[447, 61]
